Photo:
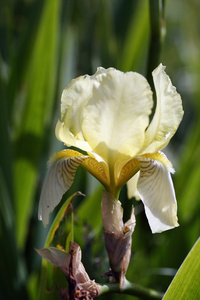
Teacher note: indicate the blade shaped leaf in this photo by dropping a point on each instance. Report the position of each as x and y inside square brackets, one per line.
[51, 277]
[34, 115]
[186, 284]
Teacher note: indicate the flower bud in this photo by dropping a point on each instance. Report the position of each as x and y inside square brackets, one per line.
[118, 236]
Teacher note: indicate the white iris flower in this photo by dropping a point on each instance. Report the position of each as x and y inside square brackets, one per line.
[107, 117]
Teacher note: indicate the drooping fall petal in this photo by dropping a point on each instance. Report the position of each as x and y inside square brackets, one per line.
[58, 180]
[168, 113]
[157, 193]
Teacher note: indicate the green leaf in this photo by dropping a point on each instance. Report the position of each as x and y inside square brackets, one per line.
[136, 41]
[13, 271]
[56, 223]
[186, 284]
[33, 111]
[157, 36]
[90, 209]
[51, 277]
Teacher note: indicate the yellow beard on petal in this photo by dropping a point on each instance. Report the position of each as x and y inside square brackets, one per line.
[128, 171]
[98, 169]
[160, 156]
[62, 154]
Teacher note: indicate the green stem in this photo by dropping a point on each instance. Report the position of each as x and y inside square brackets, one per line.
[133, 289]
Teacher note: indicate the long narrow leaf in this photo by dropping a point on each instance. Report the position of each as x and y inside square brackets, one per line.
[39, 82]
[51, 277]
[136, 40]
[186, 284]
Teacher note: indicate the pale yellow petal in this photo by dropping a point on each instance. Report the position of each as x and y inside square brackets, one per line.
[98, 169]
[74, 97]
[160, 156]
[156, 190]
[127, 171]
[59, 178]
[117, 114]
[132, 187]
[168, 113]
[64, 135]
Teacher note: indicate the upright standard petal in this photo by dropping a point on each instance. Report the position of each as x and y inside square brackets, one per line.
[74, 98]
[168, 113]
[117, 114]
[64, 135]
[157, 193]
[59, 178]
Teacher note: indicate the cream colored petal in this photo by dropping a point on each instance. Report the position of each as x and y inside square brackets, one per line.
[64, 135]
[168, 113]
[74, 97]
[98, 169]
[127, 171]
[156, 191]
[58, 180]
[116, 116]
[132, 187]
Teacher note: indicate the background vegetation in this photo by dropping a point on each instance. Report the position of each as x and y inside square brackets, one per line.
[43, 45]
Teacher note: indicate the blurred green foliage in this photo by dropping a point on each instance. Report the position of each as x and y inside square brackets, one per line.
[43, 45]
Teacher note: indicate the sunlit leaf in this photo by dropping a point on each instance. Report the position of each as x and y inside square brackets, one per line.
[56, 223]
[186, 284]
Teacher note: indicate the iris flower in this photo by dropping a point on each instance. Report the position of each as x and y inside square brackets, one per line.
[106, 117]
